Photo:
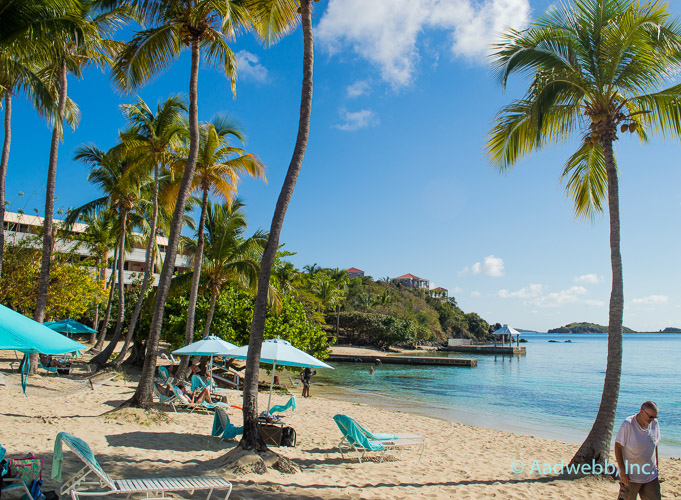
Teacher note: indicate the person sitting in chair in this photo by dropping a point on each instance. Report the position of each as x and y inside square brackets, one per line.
[199, 395]
[51, 361]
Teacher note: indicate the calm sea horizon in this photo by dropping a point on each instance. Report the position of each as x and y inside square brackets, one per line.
[552, 391]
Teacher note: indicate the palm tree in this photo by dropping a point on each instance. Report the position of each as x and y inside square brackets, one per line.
[229, 257]
[124, 190]
[217, 171]
[273, 24]
[147, 145]
[597, 65]
[200, 25]
[71, 54]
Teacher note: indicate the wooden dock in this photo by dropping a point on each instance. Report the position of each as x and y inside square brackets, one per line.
[485, 349]
[405, 360]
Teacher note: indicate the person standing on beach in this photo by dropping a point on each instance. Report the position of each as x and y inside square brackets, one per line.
[636, 453]
[305, 377]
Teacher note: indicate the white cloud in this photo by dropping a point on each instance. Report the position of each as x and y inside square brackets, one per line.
[354, 120]
[557, 299]
[475, 294]
[359, 88]
[250, 67]
[491, 266]
[529, 292]
[651, 299]
[590, 279]
[385, 32]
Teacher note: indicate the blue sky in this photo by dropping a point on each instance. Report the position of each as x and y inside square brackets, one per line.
[394, 180]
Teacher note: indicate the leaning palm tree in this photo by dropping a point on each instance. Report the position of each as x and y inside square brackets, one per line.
[148, 146]
[92, 47]
[276, 19]
[218, 168]
[598, 68]
[125, 193]
[201, 25]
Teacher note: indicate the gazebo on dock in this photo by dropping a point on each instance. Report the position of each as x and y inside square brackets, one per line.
[507, 331]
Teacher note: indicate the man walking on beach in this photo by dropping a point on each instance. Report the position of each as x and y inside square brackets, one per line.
[636, 453]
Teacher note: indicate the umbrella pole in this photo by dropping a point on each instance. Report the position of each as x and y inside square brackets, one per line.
[269, 400]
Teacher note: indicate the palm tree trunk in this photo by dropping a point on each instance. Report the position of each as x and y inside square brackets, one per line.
[211, 312]
[148, 267]
[143, 396]
[4, 162]
[48, 237]
[44, 280]
[101, 358]
[107, 313]
[193, 294]
[596, 446]
[251, 438]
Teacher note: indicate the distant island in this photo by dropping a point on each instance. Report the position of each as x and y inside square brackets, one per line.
[586, 328]
[670, 329]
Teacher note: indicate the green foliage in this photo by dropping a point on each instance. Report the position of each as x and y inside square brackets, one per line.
[232, 321]
[377, 329]
[584, 327]
[72, 291]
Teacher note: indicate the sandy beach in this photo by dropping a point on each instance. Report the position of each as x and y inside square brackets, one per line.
[460, 461]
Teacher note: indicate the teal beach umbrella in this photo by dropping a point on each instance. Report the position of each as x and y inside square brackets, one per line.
[69, 326]
[210, 346]
[19, 333]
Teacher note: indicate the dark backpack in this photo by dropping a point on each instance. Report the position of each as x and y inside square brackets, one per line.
[288, 437]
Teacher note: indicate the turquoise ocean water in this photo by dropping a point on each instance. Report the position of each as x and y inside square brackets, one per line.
[553, 391]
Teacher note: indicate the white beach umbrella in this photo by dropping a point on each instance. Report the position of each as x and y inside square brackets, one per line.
[210, 346]
[279, 352]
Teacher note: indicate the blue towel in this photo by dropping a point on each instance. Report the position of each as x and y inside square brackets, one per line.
[229, 432]
[280, 408]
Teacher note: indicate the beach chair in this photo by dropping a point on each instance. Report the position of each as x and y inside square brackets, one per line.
[282, 408]
[222, 427]
[166, 400]
[181, 401]
[163, 375]
[48, 369]
[355, 438]
[11, 484]
[104, 485]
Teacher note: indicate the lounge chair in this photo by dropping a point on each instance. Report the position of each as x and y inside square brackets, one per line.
[11, 483]
[108, 486]
[163, 375]
[182, 402]
[282, 408]
[355, 438]
[222, 427]
[48, 369]
[163, 399]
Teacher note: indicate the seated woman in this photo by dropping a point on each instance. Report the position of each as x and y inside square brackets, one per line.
[198, 396]
[196, 370]
[50, 361]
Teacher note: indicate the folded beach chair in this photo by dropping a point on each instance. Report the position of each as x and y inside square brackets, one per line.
[282, 408]
[222, 427]
[11, 483]
[105, 485]
[355, 438]
[182, 402]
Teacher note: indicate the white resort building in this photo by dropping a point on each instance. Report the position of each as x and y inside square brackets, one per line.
[19, 226]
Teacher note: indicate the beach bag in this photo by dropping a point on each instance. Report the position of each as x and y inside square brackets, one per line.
[288, 437]
[27, 469]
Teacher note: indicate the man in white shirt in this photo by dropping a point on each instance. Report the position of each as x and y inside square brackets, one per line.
[636, 453]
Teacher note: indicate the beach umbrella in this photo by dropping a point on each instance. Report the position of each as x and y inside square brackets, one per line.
[69, 326]
[280, 352]
[210, 346]
[19, 333]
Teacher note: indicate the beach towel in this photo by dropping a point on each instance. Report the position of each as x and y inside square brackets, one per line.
[229, 431]
[354, 435]
[76, 444]
[281, 408]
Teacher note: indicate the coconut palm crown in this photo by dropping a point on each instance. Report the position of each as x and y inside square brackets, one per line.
[598, 68]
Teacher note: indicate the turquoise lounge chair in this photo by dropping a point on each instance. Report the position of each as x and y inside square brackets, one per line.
[108, 486]
[48, 369]
[282, 408]
[167, 400]
[182, 401]
[164, 375]
[355, 438]
[222, 427]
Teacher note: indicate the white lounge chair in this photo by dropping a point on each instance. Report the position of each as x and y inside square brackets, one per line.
[107, 486]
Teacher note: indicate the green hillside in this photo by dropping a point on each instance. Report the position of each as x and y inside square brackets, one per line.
[586, 328]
